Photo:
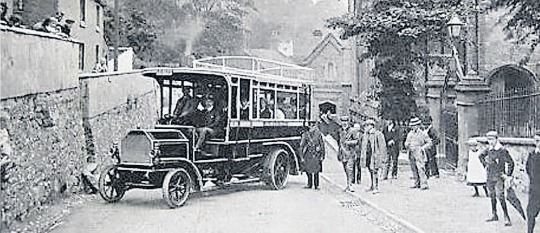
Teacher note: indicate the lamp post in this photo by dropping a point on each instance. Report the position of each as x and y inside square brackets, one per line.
[454, 26]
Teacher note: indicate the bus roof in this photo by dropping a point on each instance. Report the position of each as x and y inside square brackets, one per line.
[259, 69]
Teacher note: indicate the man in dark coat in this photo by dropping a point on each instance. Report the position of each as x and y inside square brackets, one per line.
[392, 137]
[185, 109]
[211, 121]
[312, 155]
[499, 166]
[533, 170]
[432, 169]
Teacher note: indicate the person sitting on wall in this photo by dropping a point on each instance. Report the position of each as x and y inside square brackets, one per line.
[100, 66]
[185, 109]
[65, 28]
[211, 117]
[3, 14]
[49, 25]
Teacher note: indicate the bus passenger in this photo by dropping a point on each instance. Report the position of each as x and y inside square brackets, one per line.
[244, 108]
[266, 112]
[184, 111]
[211, 117]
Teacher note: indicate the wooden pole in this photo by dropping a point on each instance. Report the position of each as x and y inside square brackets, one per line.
[116, 34]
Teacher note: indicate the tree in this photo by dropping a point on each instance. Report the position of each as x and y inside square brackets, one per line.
[168, 31]
[395, 34]
[524, 22]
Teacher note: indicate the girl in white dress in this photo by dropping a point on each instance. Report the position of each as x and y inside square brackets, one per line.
[476, 173]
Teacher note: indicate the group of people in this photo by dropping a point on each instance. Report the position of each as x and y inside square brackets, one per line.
[204, 115]
[365, 146]
[378, 151]
[55, 24]
[492, 168]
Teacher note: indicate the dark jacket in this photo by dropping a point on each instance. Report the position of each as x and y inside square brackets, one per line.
[392, 134]
[533, 170]
[213, 118]
[185, 106]
[312, 150]
[495, 161]
[435, 140]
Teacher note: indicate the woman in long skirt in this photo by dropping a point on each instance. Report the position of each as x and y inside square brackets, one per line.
[476, 173]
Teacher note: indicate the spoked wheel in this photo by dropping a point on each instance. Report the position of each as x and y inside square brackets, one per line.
[279, 169]
[176, 187]
[111, 186]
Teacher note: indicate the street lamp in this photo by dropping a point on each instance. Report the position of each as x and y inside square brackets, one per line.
[454, 26]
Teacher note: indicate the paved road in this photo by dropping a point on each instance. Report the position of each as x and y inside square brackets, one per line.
[241, 208]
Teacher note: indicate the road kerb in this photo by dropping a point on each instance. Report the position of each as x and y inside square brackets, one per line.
[399, 220]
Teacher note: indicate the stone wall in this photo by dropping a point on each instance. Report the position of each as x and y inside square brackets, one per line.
[113, 104]
[44, 132]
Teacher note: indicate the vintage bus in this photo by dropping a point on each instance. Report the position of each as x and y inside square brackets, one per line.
[265, 107]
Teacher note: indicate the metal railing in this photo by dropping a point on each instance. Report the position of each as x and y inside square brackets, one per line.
[514, 113]
[255, 66]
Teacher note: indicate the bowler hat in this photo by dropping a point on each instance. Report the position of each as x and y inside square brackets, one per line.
[415, 121]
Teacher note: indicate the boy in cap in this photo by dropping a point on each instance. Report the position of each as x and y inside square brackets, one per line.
[495, 159]
[417, 143]
[348, 140]
[533, 170]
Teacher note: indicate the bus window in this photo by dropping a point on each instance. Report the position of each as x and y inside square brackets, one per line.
[266, 100]
[255, 103]
[286, 105]
[302, 111]
[234, 106]
[244, 99]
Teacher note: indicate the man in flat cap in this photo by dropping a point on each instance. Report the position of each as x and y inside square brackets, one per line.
[533, 170]
[417, 143]
[373, 149]
[499, 166]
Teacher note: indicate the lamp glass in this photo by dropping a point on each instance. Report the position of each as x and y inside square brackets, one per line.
[454, 26]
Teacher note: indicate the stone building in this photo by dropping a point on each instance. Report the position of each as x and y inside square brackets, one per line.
[88, 26]
[283, 27]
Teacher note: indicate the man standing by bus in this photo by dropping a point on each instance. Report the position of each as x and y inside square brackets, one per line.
[312, 147]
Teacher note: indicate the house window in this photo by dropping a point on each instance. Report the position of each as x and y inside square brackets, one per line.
[81, 56]
[97, 53]
[83, 12]
[98, 17]
[331, 71]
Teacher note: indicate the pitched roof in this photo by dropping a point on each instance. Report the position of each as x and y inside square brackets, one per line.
[329, 40]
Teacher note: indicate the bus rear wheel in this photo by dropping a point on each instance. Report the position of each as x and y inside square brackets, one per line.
[278, 167]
